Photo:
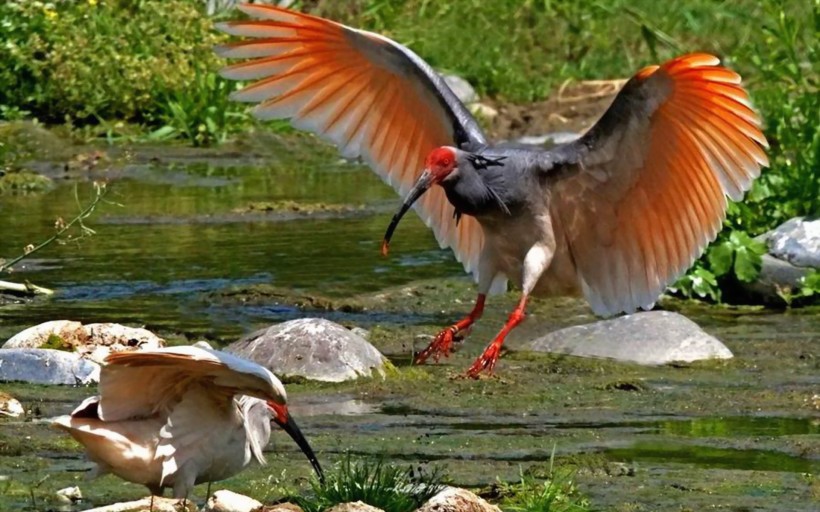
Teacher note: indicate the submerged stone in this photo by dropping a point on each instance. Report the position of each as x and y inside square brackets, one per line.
[650, 338]
[46, 366]
[311, 348]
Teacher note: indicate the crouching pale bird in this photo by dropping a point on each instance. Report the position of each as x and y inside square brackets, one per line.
[616, 215]
[179, 416]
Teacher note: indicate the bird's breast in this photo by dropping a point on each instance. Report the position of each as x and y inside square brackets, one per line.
[510, 238]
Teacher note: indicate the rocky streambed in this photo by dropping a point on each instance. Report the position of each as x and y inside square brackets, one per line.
[185, 257]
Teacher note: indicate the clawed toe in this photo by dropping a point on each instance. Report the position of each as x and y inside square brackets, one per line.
[441, 345]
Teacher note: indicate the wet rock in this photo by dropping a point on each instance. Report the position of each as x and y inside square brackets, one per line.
[92, 341]
[776, 277]
[70, 495]
[461, 88]
[453, 499]
[356, 506]
[46, 366]
[229, 501]
[311, 348]
[154, 504]
[651, 338]
[796, 241]
[10, 406]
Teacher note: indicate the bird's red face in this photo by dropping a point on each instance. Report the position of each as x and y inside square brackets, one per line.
[439, 165]
[279, 412]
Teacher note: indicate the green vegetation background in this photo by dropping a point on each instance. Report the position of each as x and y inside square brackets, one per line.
[145, 70]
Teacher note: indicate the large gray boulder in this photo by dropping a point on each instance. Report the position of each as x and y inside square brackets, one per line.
[311, 348]
[46, 366]
[796, 241]
[650, 338]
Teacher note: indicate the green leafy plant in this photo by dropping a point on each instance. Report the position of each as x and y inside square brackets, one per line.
[21, 181]
[202, 113]
[555, 494]
[737, 254]
[784, 82]
[734, 256]
[808, 289]
[374, 482]
[85, 61]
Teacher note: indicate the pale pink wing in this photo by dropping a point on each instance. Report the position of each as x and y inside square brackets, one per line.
[365, 93]
[649, 192]
[141, 383]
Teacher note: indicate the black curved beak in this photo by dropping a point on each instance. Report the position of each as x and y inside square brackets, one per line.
[285, 420]
[422, 185]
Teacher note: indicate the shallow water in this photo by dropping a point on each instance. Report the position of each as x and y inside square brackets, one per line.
[731, 434]
[179, 231]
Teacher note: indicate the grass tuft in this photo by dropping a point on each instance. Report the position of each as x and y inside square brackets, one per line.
[555, 494]
[374, 482]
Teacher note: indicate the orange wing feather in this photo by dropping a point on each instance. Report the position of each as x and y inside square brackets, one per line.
[651, 189]
[357, 90]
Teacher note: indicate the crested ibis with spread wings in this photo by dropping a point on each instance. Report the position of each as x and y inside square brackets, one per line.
[179, 416]
[616, 215]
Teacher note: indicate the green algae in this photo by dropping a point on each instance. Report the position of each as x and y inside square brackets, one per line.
[297, 207]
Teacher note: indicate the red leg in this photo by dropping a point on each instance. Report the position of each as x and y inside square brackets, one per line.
[443, 342]
[488, 359]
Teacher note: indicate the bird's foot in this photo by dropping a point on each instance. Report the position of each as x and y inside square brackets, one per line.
[485, 361]
[441, 345]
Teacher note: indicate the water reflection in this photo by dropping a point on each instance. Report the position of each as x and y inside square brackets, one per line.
[178, 233]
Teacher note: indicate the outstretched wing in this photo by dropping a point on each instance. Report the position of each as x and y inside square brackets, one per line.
[141, 383]
[647, 185]
[365, 93]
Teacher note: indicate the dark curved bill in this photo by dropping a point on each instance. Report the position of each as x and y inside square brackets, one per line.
[293, 430]
[421, 186]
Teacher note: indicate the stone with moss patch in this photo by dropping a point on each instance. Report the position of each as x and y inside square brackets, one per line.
[313, 349]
